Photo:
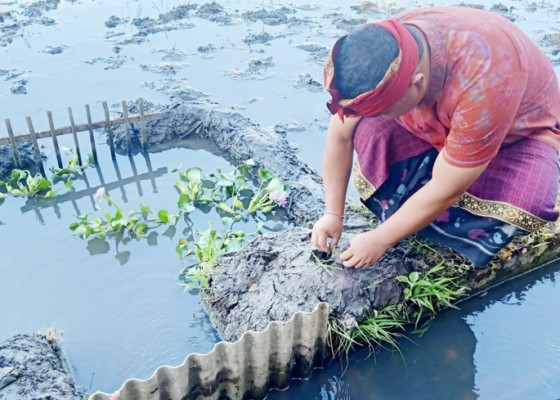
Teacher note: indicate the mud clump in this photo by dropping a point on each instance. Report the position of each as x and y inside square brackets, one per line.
[213, 12]
[26, 157]
[274, 17]
[33, 367]
[278, 275]
[258, 38]
[114, 21]
[306, 81]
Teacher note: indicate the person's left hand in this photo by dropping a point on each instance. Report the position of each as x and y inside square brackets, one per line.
[365, 249]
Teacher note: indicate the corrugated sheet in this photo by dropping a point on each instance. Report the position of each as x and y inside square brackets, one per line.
[246, 369]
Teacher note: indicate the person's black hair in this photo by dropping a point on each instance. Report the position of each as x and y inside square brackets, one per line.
[364, 56]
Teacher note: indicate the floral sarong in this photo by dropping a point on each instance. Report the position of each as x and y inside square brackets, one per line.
[516, 193]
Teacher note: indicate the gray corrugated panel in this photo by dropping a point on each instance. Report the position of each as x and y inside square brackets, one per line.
[246, 369]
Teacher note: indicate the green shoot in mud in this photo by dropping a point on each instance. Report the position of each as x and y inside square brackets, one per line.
[326, 264]
[205, 247]
[425, 293]
[383, 328]
[430, 291]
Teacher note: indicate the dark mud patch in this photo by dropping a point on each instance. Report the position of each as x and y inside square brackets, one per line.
[343, 22]
[258, 38]
[269, 17]
[170, 21]
[306, 81]
[164, 67]
[25, 152]
[256, 69]
[54, 49]
[214, 12]
[318, 53]
[504, 11]
[33, 367]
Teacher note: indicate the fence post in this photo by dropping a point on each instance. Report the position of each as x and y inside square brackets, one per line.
[109, 130]
[36, 150]
[91, 136]
[15, 153]
[127, 127]
[74, 133]
[55, 140]
[143, 134]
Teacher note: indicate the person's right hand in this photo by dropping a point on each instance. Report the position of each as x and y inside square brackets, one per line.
[329, 226]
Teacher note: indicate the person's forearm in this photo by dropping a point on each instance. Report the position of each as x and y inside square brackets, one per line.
[416, 213]
[337, 165]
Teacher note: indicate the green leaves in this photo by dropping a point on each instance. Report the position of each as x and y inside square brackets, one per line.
[231, 194]
[430, 291]
[23, 184]
[136, 223]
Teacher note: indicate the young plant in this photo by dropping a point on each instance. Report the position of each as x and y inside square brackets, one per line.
[73, 168]
[430, 291]
[22, 183]
[135, 223]
[205, 247]
[380, 329]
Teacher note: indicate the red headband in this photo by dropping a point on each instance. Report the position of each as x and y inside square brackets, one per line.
[391, 88]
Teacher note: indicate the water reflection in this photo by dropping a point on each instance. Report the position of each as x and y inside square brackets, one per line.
[503, 344]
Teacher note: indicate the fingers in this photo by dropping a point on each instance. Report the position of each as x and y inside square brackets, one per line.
[335, 240]
[319, 240]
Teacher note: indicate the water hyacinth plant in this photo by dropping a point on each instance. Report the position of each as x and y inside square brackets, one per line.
[23, 183]
[135, 223]
[231, 194]
[73, 168]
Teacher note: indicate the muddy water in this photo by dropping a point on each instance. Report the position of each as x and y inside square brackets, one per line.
[120, 307]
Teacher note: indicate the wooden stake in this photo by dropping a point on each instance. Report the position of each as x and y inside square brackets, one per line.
[91, 136]
[127, 127]
[55, 140]
[143, 134]
[109, 130]
[36, 150]
[74, 133]
[15, 153]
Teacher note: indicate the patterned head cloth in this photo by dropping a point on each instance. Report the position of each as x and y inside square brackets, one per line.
[390, 89]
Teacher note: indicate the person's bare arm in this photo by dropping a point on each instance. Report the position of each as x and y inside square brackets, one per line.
[448, 183]
[337, 166]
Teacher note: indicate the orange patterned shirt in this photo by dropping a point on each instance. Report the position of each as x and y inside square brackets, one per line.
[489, 85]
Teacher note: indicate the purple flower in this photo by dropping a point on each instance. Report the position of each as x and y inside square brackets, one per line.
[281, 198]
[98, 196]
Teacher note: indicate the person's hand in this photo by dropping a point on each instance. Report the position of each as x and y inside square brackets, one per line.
[329, 226]
[365, 249]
